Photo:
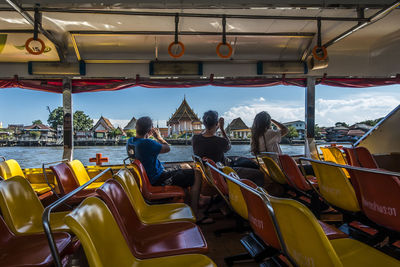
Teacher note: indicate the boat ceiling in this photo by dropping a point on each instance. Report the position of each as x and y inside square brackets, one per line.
[121, 39]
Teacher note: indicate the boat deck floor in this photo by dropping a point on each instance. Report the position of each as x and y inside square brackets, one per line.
[225, 245]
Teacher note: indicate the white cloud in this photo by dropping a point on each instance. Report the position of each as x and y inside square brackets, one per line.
[353, 108]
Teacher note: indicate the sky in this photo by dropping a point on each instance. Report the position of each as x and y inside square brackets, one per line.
[284, 103]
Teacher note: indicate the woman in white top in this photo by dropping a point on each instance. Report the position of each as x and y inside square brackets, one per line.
[263, 137]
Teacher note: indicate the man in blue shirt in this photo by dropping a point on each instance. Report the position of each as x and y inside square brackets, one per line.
[146, 151]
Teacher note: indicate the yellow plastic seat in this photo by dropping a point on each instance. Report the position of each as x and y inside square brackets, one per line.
[81, 174]
[152, 214]
[236, 198]
[274, 170]
[335, 187]
[11, 168]
[104, 245]
[307, 244]
[334, 155]
[22, 209]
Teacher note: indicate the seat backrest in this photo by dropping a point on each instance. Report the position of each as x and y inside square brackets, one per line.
[293, 174]
[274, 170]
[335, 187]
[128, 182]
[5, 233]
[144, 181]
[303, 236]
[113, 194]
[351, 156]
[19, 204]
[79, 171]
[259, 218]
[334, 155]
[380, 197]
[219, 181]
[365, 158]
[235, 194]
[10, 168]
[99, 234]
[65, 177]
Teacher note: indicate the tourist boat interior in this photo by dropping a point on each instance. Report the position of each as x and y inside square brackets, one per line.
[68, 214]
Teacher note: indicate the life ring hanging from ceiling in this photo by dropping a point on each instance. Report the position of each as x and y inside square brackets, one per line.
[319, 51]
[176, 41]
[224, 43]
[35, 51]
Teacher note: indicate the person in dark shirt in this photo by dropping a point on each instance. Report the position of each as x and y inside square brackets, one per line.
[207, 144]
[147, 150]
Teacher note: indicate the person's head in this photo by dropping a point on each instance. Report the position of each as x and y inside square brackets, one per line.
[262, 122]
[143, 126]
[210, 119]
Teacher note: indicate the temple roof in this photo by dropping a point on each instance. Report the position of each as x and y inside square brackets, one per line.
[131, 124]
[105, 123]
[183, 113]
[236, 124]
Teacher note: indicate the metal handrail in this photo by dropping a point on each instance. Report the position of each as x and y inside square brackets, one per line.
[124, 161]
[46, 217]
[3, 158]
[258, 192]
[348, 167]
[45, 175]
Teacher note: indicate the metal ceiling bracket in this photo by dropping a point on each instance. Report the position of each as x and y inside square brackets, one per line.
[33, 22]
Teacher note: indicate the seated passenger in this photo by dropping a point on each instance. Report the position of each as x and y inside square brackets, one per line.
[207, 144]
[263, 137]
[147, 150]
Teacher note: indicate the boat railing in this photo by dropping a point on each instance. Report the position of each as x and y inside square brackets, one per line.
[47, 211]
[377, 171]
[3, 158]
[125, 160]
[267, 203]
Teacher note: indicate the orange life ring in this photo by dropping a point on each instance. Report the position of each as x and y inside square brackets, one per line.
[316, 56]
[229, 53]
[30, 51]
[176, 55]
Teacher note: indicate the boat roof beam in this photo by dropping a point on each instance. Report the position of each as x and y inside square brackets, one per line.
[31, 21]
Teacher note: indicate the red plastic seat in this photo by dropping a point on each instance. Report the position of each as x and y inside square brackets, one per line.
[67, 182]
[380, 197]
[29, 250]
[151, 240]
[360, 157]
[218, 180]
[293, 174]
[351, 156]
[152, 193]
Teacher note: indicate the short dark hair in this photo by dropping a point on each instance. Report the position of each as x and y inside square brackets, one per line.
[143, 125]
[210, 118]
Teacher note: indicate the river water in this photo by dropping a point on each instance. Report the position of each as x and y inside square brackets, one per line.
[31, 157]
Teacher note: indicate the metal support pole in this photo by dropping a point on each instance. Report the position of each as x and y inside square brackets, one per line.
[309, 144]
[68, 120]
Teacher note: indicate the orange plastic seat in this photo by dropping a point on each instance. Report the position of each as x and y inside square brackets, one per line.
[104, 244]
[335, 187]
[152, 214]
[334, 155]
[153, 240]
[307, 244]
[29, 250]
[67, 182]
[11, 168]
[217, 180]
[351, 156]
[293, 174]
[22, 209]
[152, 193]
[361, 157]
[380, 197]
[81, 174]
[274, 170]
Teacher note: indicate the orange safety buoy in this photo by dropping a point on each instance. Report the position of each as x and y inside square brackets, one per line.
[324, 51]
[30, 50]
[219, 52]
[179, 54]
[98, 159]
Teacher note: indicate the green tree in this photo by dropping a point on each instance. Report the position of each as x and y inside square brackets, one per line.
[56, 117]
[82, 122]
[317, 131]
[35, 134]
[341, 124]
[116, 132]
[37, 122]
[292, 132]
[130, 133]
